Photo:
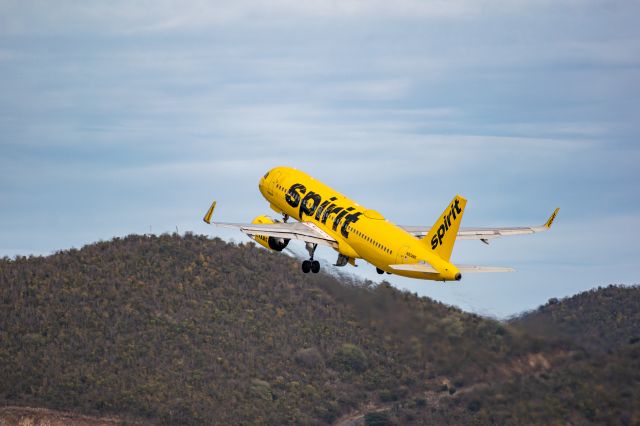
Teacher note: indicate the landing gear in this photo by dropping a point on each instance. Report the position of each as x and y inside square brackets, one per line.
[380, 271]
[285, 217]
[342, 260]
[311, 265]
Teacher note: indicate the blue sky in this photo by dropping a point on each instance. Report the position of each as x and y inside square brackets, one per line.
[120, 117]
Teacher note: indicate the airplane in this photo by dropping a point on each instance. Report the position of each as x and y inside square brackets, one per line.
[326, 217]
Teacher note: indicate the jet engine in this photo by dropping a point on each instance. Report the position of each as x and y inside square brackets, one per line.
[273, 243]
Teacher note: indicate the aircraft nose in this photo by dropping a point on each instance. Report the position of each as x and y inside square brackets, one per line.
[458, 276]
[261, 185]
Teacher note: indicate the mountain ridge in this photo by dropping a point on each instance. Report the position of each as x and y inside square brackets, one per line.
[193, 330]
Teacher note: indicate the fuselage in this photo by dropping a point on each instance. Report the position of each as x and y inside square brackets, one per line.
[361, 233]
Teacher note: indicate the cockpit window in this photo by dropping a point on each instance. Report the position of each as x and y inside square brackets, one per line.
[266, 174]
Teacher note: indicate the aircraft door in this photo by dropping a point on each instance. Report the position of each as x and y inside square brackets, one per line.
[275, 178]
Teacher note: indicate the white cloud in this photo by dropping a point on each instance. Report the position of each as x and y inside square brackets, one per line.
[372, 90]
[131, 17]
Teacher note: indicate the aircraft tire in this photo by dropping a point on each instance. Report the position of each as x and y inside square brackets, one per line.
[315, 266]
[306, 266]
[380, 271]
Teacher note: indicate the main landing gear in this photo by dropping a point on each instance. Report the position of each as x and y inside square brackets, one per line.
[311, 265]
[380, 271]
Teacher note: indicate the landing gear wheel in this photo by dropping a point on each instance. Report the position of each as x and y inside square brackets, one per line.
[380, 271]
[311, 265]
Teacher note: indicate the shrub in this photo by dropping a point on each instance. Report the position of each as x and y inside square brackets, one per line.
[377, 418]
[261, 389]
[474, 406]
[386, 395]
[350, 358]
[421, 402]
[309, 358]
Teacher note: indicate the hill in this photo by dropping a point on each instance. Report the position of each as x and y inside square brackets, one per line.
[600, 320]
[192, 330]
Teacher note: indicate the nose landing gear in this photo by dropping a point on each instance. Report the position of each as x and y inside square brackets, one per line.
[311, 265]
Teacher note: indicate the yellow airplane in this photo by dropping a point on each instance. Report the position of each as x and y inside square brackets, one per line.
[326, 217]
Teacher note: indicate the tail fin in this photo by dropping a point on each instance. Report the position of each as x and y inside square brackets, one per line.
[444, 232]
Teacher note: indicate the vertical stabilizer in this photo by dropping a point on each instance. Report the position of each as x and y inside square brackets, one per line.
[444, 232]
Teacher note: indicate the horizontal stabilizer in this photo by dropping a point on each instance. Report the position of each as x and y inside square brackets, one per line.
[423, 267]
[414, 267]
[476, 268]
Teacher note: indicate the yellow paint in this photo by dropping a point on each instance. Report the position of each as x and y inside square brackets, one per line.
[552, 218]
[371, 237]
[443, 234]
[207, 217]
[261, 239]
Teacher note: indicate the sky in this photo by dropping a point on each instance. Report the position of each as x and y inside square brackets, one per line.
[128, 117]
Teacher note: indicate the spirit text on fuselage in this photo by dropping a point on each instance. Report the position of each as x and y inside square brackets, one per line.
[312, 205]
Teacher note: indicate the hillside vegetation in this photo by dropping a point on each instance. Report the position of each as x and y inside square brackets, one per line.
[600, 320]
[192, 330]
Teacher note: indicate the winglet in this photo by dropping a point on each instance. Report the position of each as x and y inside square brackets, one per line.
[207, 217]
[552, 218]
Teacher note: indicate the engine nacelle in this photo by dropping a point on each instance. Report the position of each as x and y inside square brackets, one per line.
[272, 243]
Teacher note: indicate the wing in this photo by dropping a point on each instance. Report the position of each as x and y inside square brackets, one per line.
[304, 231]
[424, 267]
[486, 234]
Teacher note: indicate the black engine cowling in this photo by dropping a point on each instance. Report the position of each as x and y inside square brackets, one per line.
[273, 243]
[278, 244]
